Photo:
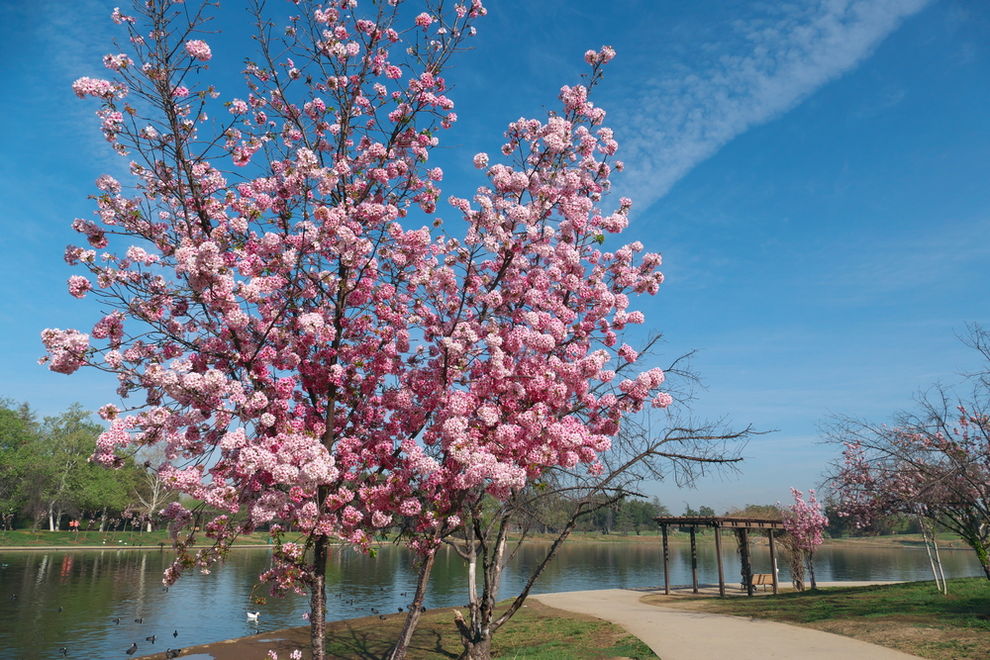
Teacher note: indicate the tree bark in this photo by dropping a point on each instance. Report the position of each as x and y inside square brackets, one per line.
[480, 650]
[318, 599]
[810, 559]
[415, 608]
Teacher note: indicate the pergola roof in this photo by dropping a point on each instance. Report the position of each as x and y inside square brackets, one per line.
[725, 522]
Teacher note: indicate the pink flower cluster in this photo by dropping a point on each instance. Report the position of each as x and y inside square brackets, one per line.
[198, 50]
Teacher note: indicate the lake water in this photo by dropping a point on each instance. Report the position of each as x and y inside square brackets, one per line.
[94, 588]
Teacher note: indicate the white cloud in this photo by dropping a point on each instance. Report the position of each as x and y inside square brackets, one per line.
[761, 67]
[74, 42]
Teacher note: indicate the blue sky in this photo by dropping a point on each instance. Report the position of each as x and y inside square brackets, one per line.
[814, 173]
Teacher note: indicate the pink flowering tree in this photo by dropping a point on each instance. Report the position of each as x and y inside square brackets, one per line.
[933, 463]
[935, 467]
[288, 319]
[805, 523]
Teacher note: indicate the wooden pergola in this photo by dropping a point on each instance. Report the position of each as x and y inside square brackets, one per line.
[740, 526]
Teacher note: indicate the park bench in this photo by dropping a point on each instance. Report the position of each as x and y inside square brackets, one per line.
[763, 579]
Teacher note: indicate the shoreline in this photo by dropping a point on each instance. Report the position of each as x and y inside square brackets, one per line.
[860, 542]
[285, 640]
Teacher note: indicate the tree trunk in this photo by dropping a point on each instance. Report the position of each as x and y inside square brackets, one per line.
[477, 650]
[103, 520]
[51, 516]
[938, 562]
[415, 608]
[318, 599]
[928, 548]
[810, 558]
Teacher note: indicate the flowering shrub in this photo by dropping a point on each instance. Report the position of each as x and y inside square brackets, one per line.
[805, 524]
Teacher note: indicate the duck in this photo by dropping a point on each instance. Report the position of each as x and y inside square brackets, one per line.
[253, 616]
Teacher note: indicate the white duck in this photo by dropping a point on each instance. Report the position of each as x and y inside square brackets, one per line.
[253, 616]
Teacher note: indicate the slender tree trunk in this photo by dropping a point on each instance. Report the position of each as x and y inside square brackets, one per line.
[51, 516]
[928, 549]
[938, 563]
[415, 608]
[318, 599]
[103, 520]
[810, 559]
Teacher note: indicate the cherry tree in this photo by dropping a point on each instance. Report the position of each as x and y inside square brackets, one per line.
[935, 467]
[933, 462]
[805, 523]
[293, 325]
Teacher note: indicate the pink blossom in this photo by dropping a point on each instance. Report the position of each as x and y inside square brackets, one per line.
[78, 286]
[424, 20]
[96, 87]
[198, 50]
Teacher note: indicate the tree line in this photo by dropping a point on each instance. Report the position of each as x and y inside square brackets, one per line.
[47, 479]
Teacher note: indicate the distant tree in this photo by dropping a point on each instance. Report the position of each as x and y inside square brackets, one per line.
[768, 511]
[933, 462]
[18, 431]
[637, 514]
[100, 494]
[688, 513]
[152, 492]
[62, 452]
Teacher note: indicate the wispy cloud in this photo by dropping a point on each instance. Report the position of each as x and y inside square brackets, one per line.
[759, 68]
[923, 262]
[74, 43]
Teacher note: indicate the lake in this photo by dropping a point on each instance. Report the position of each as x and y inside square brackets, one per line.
[94, 588]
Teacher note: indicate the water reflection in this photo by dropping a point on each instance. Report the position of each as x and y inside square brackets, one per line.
[95, 589]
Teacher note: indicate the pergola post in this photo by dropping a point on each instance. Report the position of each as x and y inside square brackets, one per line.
[773, 560]
[718, 560]
[666, 561]
[740, 526]
[694, 560]
[747, 568]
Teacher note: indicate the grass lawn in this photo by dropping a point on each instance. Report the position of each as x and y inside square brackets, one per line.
[536, 632]
[25, 538]
[912, 617]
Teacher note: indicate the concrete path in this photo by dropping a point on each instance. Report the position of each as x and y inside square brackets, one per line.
[686, 635]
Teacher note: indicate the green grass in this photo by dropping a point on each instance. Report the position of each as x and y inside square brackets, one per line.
[967, 604]
[912, 617]
[536, 632]
[535, 636]
[24, 538]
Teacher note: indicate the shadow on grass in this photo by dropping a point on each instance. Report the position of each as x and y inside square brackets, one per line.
[966, 605]
[360, 642]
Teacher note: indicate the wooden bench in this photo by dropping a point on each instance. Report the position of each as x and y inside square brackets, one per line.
[763, 579]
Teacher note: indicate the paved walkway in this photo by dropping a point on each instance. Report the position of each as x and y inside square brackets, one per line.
[675, 634]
